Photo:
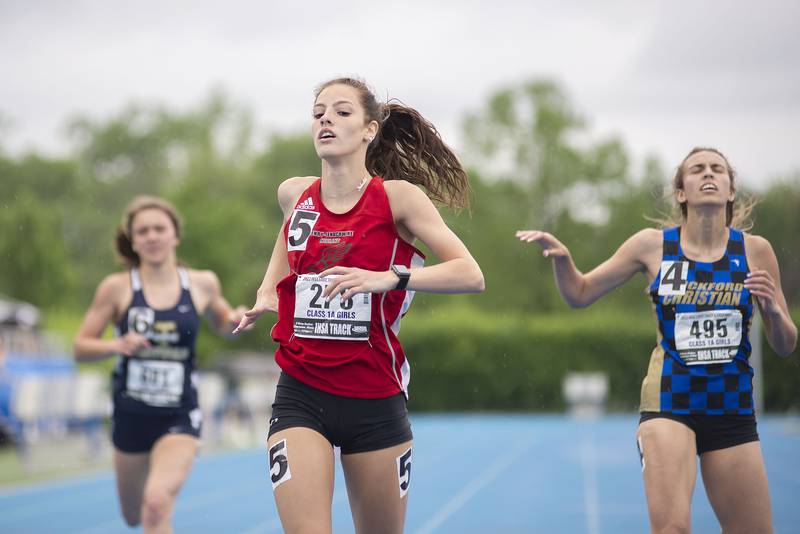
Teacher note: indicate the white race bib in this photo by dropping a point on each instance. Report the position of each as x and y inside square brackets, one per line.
[315, 317]
[155, 382]
[708, 336]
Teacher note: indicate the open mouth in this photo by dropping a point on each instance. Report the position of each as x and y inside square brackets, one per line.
[708, 187]
[326, 134]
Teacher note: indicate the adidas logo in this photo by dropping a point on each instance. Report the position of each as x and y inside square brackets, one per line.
[307, 204]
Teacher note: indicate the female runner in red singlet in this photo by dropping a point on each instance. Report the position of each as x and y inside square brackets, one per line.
[342, 274]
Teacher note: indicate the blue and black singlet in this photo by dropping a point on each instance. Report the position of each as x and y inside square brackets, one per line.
[701, 362]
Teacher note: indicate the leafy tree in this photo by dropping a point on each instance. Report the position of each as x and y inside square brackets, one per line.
[777, 218]
[526, 134]
[35, 267]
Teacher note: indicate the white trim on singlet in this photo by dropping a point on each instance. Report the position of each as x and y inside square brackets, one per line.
[417, 262]
[183, 274]
[386, 332]
[136, 280]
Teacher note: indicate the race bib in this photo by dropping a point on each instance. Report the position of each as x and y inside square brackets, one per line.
[314, 317]
[708, 336]
[154, 382]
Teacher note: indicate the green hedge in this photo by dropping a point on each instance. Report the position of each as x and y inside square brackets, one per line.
[462, 359]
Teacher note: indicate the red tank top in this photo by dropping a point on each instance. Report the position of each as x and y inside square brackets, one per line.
[348, 348]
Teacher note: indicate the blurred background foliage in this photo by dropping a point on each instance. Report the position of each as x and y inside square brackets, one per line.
[533, 163]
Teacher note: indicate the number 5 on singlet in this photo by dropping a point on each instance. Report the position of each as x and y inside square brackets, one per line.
[300, 227]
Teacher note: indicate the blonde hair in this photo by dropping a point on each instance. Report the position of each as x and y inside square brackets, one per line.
[737, 211]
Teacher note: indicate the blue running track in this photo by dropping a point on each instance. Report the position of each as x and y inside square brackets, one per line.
[471, 474]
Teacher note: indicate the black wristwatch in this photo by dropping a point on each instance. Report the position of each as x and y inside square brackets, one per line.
[403, 274]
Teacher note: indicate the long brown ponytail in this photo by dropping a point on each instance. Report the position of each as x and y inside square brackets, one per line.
[408, 147]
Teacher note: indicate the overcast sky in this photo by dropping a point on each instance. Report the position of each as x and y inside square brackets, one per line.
[662, 75]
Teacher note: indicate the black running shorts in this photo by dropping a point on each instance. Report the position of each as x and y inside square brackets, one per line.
[355, 425]
[137, 432]
[713, 432]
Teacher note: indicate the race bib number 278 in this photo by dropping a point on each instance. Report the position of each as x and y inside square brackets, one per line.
[317, 317]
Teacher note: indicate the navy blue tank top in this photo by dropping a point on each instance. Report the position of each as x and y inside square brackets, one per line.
[158, 379]
[701, 362]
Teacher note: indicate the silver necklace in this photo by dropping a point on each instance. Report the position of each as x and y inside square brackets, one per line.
[358, 188]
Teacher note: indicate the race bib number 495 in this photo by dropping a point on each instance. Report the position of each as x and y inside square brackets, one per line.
[708, 336]
[316, 317]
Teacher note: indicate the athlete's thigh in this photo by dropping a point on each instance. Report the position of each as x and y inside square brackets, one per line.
[301, 470]
[669, 468]
[171, 460]
[377, 486]
[736, 483]
[131, 469]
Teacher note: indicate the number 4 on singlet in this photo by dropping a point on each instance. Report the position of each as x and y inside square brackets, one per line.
[674, 277]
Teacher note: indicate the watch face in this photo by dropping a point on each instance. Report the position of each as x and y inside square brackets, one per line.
[400, 270]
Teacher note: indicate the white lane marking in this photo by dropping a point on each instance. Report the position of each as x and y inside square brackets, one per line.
[590, 502]
[473, 487]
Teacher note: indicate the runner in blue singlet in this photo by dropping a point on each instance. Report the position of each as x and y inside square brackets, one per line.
[704, 276]
[156, 306]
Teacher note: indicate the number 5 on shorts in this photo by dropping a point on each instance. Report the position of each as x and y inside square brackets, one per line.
[404, 472]
[279, 464]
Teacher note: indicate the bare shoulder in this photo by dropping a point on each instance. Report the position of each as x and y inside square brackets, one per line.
[757, 244]
[114, 285]
[644, 249]
[759, 251]
[401, 187]
[204, 280]
[404, 195]
[114, 293]
[289, 190]
[646, 241]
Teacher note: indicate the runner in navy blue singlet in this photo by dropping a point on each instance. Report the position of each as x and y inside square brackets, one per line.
[704, 277]
[156, 307]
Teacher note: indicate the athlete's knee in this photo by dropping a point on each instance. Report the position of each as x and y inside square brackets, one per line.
[156, 505]
[672, 525]
[306, 526]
